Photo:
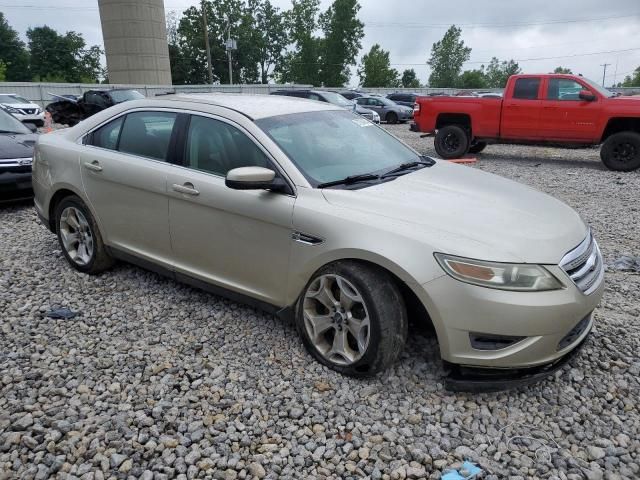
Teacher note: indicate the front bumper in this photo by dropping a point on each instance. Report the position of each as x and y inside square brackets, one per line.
[15, 184]
[36, 117]
[482, 380]
[460, 311]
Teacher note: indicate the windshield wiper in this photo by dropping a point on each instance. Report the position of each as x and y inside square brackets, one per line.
[426, 162]
[350, 180]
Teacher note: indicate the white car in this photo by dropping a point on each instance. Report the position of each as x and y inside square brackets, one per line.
[22, 109]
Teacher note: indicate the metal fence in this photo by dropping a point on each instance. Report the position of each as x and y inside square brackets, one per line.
[40, 92]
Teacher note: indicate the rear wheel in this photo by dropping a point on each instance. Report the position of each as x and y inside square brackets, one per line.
[352, 318]
[477, 147]
[80, 238]
[621, 151]
[451, 141]
[392, 118]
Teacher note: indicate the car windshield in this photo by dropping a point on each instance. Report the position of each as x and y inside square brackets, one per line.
[9, 124]
[388, 102]
[336, 99]
[13, 99]
[332, 145]
[599, 88]
[119, 96]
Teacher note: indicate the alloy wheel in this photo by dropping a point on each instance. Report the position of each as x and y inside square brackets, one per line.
[336, 319]
[76, 235]
[624, 152]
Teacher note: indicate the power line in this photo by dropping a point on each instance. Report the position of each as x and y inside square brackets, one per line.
[491, 25]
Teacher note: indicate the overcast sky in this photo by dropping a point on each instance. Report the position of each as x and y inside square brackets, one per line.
[516, 29]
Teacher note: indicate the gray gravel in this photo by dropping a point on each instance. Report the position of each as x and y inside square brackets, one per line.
[157, 380]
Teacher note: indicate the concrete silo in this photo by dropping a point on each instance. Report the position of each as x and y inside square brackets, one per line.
[135, 41]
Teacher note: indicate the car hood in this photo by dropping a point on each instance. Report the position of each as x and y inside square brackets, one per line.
[463, 211]
[16, 145]
[21, 105]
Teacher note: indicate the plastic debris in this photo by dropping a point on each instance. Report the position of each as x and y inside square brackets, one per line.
[61, 313]
[468, 471]
[626, 263]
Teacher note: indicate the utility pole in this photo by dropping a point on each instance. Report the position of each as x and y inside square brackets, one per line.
[206, 41]
[604, 74]
[229, 51]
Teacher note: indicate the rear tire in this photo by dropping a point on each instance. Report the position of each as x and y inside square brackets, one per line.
[451, 141]
[352, 318]
[80, 238]
[477, 147]
[392, 118]
[621, 151]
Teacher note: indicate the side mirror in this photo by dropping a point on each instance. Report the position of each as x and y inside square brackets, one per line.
[586, 95]
[31, 126]
[254, 178]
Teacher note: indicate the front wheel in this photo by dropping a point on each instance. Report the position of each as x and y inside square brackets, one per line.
[392, 118]
[80, 238]
[477, 147]
[451, 141]
[621, 151]
[352, 318]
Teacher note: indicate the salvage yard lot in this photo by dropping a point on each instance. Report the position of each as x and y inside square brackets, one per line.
[156, 378]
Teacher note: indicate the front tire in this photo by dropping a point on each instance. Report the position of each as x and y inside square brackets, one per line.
[392, 118]
[80, 238]
[451, 141]
[352, 318]
[621, 151]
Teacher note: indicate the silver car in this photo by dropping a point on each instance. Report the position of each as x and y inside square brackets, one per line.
[388, 110]
[312, 212]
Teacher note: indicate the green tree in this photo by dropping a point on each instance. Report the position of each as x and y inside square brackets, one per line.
[13, 53]
[472, 79]
[562, 70]
[302, 63]
[3, 71]
[447, 57]
[410, 79]
[632, 80]
[62, 57]
[270, 36]
[343, 34]
[375, 69]
[497, 72]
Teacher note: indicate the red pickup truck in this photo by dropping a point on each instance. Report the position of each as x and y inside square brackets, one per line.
[536, 109]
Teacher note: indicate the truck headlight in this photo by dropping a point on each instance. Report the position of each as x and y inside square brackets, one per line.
[502, 276]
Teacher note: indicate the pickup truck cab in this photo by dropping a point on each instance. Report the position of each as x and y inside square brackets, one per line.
[537, 109]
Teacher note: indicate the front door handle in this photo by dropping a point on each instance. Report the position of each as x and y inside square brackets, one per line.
[93, 166]
[186, 188]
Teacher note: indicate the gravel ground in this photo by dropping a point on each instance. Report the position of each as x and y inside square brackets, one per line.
[154, 379]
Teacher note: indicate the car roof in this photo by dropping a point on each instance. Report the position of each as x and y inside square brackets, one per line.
[253, 106]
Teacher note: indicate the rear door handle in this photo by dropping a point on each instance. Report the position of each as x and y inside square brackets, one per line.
[187, 189]
[93, 166]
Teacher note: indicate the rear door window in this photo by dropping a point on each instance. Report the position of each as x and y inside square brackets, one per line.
[147, 134]
[107, 135]
[527, 88]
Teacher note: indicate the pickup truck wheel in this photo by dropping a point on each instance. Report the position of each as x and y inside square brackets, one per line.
[621, 151]
[392, 118]
[451, 142]
[352, 318]
[477, 147]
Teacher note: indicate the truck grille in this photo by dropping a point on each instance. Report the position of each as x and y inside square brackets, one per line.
[584, 265]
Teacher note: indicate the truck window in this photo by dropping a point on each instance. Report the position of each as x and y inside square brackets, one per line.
[526, 88]
[564, 89]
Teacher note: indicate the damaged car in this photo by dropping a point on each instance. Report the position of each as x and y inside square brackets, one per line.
[69, 109]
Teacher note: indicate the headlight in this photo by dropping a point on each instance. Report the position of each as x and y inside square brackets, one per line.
[11, 109]
[503, 276]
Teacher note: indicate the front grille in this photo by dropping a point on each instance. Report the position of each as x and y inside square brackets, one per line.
[30, 111]
[574, 333]
[584, 265]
